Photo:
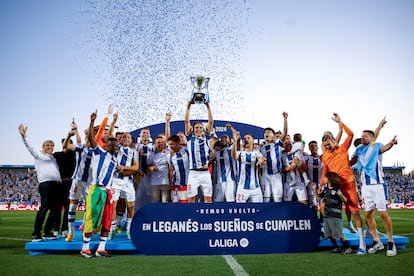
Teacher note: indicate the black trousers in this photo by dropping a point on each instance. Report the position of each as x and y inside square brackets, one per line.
[61, 223]
[48, 202]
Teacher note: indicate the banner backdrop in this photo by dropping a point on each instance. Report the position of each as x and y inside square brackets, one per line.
[219, 129]
[224, 228]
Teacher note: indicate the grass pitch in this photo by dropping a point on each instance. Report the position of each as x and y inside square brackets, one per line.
[16, 228]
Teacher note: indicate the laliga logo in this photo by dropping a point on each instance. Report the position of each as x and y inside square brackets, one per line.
[244, 242]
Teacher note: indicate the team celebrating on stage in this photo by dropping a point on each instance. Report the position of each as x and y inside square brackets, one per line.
[116, 176]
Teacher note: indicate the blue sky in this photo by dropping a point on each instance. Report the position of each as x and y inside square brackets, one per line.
[64, 59]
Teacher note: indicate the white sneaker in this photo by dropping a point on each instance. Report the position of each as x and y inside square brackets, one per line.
[391, 249]
[376, 246]
[64, 234]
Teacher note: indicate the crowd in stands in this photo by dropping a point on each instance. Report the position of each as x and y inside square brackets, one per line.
[400, 188]
[21, 187]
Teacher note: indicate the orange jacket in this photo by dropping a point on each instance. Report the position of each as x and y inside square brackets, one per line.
[98, 136]
[338, 161]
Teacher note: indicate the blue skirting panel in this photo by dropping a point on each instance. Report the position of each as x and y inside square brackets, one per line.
[121, 245]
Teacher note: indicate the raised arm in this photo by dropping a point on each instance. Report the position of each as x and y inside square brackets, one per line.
[91, 137]
[112, 126]
[66, 145]
[388, 146]
[339, 135]
[187, 119]
[236, 136]
[379, 127]
[350, 135]
[285, 126]
[210, 119]
[75, 130]
[167, 131]
[23, 133]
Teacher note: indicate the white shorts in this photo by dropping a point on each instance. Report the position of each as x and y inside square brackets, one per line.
[272, 186]
[299, 189]
[373, 197]
[251, 195]
[224, 192]
[200, 179]
[78, 190]
[123, 188]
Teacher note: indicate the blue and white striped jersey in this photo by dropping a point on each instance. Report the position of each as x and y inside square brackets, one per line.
[83, 163]
[126, 157]
[181, 163]
[226, 166]
[248, 169]
[103, 167]
[198, 148]
[314, 165]
[273, 154]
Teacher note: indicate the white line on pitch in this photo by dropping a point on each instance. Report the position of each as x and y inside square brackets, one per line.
[235, 266]
[13, 239]
[405, 234]
[402, 218]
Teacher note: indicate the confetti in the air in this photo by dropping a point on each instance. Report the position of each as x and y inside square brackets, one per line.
[151, 48]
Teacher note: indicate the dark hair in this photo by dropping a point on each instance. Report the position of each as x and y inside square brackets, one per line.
[175, 138]
[269, 128]
[198, 122]
[112, 139]
[334, 179]
[297, 137]
[357, 142]
[312, 142]
[249, 135]
[370, 132]
[219, 144]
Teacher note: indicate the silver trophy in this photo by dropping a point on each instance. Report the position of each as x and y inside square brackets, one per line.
[199, 95]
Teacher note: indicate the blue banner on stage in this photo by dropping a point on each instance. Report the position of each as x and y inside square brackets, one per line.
[224, 228]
